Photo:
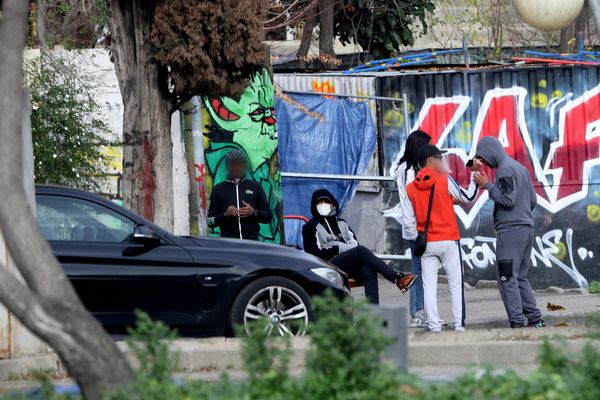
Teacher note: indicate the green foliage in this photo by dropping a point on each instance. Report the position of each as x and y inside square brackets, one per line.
[381, 27]
[563, 375]
[345, 363]
[266, 359]
[595, 287]
[66, 127]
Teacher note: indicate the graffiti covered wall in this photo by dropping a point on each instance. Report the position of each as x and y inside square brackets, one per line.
[549, 120]
[247, 124]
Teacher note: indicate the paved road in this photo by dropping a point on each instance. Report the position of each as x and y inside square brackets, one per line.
[485, 309]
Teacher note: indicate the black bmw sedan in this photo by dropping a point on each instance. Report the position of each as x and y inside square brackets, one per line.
[119, 262]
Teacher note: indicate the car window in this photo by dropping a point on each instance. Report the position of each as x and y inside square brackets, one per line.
[75, 220]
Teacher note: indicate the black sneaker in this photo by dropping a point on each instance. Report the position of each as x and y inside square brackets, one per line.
[539, 324]
[517, 326]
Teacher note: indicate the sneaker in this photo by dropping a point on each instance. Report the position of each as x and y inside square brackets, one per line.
[405, 281]
[539, 324]
[435, 330]
[459, 328]
[517, 326]
[418, 320]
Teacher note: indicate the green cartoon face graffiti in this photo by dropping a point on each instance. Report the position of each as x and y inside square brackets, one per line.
[248, 124]
[251, 119]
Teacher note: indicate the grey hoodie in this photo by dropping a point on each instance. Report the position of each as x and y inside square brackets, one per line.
[512, 192]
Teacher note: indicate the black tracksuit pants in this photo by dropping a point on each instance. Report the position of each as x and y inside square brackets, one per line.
[360, 263]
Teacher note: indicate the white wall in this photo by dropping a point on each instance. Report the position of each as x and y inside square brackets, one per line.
[97, 66]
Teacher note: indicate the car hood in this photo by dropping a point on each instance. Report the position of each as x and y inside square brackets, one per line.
[252, 249]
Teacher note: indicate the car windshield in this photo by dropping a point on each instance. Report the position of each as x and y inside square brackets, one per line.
[70, 219]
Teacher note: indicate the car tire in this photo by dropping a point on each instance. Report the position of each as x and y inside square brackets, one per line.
[281, 303]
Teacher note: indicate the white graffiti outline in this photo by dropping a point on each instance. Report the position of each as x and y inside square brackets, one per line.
[592, 132]
[467, 217]
[463, 105]
[480, 254]
[555, 102]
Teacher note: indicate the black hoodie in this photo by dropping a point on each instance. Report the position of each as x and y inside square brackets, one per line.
[326, 237]
[226, 194]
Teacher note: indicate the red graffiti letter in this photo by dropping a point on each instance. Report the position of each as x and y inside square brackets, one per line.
[499, 117]
[439, 115]
[578, 147]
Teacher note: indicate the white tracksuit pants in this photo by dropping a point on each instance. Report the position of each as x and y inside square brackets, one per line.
[443, 254]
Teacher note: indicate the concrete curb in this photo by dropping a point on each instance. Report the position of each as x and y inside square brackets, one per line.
[502, 348]
[25, 367]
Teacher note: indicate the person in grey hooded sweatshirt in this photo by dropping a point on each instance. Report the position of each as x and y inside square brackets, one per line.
[514, 199]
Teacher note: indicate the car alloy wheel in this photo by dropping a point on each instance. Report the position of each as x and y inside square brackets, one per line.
[282, 309]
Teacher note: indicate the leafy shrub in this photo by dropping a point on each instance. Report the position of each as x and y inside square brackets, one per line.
[345, 363]
[66, 128]
[595, 287]
[345, 360]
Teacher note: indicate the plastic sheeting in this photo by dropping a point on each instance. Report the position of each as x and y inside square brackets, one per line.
[342, 144]
[354, 85]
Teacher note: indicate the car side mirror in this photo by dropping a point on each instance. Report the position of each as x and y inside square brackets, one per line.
[144, 235]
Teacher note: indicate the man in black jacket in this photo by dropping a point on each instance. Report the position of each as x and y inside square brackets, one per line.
[238, 205]
[330, 238]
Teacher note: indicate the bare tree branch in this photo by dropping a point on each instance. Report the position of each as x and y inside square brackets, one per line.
[41, 24]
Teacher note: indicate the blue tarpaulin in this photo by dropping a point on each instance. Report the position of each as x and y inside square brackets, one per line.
[342, 144]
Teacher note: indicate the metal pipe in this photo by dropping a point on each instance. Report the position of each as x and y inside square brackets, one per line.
[342, 95]
[394, 256]
[337, 177]
[406, 115]
[551, 61]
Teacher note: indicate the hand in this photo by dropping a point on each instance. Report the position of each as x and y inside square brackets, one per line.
[481, 179]
[231, 211]
[477, 164]
[246, 211]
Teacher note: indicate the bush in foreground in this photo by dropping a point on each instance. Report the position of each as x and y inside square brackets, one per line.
[345, 363]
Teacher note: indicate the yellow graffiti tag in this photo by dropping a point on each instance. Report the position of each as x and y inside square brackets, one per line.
[562, 250]
[593, 212]
[464, 136]
[539, 100]
[393, 118]
[114, 156]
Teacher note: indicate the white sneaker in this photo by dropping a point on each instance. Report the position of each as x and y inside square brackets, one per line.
[418, 320]
[459, 328]
[435, 330]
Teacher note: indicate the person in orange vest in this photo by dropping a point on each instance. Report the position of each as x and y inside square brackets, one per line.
[432, 195]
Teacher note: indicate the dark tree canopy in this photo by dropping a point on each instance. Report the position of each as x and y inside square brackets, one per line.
[210, 47]
[381, 26]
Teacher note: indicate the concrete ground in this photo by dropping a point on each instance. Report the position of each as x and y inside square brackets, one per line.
[487, 341]
[485, 309]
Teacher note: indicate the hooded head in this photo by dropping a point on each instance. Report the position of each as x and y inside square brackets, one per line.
[236, 164]
[320, 195]
[490, 151]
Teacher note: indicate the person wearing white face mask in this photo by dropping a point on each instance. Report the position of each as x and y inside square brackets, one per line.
[330, 238]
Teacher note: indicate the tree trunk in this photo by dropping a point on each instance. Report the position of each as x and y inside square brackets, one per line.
[326, 15]
[307, 32]
[44, 300]
[147, 147]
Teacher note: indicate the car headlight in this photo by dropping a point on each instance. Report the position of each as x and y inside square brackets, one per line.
[329, 275]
